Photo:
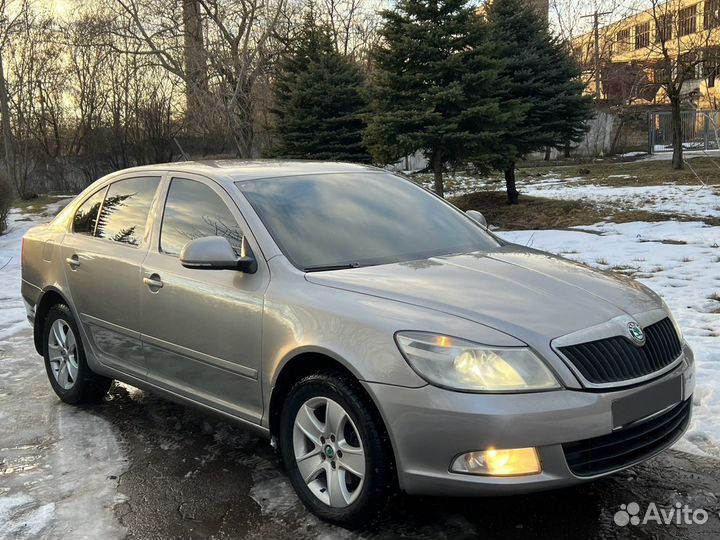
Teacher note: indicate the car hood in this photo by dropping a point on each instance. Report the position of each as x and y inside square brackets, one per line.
[512, 289]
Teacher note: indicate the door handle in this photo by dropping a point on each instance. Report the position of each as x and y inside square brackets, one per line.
[73, 262]
[154, 281]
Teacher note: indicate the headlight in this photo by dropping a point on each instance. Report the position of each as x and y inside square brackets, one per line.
[672, 320]
[462, 365]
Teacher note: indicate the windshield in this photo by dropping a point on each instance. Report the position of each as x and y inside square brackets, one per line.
[359, 219]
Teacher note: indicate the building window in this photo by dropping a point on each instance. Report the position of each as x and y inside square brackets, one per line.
[711, 65]
[687, 20]
[665, 28]
[642, 35]
[712, 14]
[660, 75]
[623, 40]
[690, 66]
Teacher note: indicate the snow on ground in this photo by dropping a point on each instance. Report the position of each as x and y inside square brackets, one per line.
[697, 201]
[681, 262]
[689, 200]
[58, 464]
[12, 310]
[667, 155]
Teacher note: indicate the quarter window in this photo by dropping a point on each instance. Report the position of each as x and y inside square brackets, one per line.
[124, 213]
[86, 216]
[193, 210]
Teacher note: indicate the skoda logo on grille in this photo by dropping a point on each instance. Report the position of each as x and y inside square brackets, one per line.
[636, 333]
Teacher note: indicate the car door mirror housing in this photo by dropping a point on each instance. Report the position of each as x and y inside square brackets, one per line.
[216, 253]
[477, 216]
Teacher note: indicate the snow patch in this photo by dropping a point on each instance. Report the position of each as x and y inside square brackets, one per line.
[698, 201]
[12, 309]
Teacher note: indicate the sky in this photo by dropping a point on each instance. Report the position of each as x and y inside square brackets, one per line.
[566, 15]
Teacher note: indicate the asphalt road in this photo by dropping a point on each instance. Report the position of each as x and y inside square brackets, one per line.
[138, 467]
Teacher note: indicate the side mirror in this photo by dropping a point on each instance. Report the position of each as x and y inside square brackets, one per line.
[216, 253]
[477, 216]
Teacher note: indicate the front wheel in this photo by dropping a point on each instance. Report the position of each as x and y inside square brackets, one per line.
[70, 377]
[336, 450]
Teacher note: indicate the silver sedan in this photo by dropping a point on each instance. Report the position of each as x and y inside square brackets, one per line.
[383, 339]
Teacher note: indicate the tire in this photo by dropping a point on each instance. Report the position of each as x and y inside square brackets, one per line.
[361, 429]
[77, 383]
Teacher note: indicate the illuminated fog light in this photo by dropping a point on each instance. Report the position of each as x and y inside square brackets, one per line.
[494, 462]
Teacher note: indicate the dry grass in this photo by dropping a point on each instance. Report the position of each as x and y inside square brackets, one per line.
[541, 213]
[38, 205]
[645, 172]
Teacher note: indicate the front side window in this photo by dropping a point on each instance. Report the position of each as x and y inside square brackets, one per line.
[193, 210]
[86, 216]
[360, 219]
[124, 212]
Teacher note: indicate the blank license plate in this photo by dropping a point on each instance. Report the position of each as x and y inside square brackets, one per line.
[646, 402]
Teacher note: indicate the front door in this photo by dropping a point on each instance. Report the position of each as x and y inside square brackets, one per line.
[103, 256]
[202, 328]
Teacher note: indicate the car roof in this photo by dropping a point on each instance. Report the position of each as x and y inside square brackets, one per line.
[233, 170]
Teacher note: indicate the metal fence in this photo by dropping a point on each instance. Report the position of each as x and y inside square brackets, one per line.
[701, 131]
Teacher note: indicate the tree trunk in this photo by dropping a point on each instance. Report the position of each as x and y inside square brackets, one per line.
[195, 66]
[438, 174]
[548, 152]
[677, 133]
[7, 129]
[512, 192]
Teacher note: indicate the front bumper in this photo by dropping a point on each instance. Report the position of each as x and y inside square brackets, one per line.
[430, 426]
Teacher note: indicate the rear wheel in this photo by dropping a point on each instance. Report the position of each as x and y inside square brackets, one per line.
[70, 376]
[335, 449]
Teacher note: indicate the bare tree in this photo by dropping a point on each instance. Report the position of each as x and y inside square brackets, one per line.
[678, 51]
[13, 15]
[353, 23]
[88, 64]
[240, 47]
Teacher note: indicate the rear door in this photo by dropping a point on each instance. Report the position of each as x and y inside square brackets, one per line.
[103, 255]
[202, 328]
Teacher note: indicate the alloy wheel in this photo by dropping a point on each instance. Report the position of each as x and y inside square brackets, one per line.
[63, 354]
[329, 452]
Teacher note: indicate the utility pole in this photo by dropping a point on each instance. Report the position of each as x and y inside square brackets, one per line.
[596, 32]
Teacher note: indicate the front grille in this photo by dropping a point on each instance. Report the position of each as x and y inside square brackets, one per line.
[617, 359]
[628, 445]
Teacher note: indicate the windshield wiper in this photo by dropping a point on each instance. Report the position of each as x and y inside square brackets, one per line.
[329, 267]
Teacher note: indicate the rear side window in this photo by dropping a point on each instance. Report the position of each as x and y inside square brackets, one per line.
[193, 210]
[124, 213]
[86, 216]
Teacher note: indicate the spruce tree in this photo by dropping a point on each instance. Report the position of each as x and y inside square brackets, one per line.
[437, 88]
[319, 101]
[544, 78]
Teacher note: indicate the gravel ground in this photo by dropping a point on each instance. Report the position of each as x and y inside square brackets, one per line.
[136, 466]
